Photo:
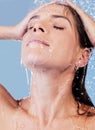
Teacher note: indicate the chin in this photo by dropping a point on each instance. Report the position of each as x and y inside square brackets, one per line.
[34, 61]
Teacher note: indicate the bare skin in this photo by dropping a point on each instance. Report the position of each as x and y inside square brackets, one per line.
[16, 32]
[51, 105]
[89, 23]
[14, 117]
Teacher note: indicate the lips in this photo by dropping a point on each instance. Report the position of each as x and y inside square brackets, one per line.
[37, 41]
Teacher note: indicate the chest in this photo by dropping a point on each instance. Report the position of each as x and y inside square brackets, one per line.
[20, 121]
[24, 124]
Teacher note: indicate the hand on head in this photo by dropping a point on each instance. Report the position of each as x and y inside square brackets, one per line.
[88, 21]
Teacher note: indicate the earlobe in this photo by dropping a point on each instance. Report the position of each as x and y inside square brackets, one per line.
[84, 58]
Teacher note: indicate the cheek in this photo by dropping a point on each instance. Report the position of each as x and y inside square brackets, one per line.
[24, 50]
[59, 54]
[64, 41]
[64, 48]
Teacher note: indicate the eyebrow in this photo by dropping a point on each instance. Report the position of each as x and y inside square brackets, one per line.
[63, 17]
[53, 16]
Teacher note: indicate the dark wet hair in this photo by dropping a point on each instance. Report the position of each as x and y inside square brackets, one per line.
[78, 89]
[78, 86]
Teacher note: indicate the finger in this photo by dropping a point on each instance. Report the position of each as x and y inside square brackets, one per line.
[72, 5]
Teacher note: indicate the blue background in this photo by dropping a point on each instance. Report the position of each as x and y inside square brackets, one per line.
[12, 73]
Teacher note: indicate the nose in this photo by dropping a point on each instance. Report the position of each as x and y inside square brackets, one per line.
[38, 27]
[35, 29]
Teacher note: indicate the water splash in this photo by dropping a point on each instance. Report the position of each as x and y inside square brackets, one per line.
[87, 5]
[90, 79]
[26, 71]
[27, 75]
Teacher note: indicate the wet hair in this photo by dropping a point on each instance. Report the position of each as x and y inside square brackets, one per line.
[78, 89]
[78, 86]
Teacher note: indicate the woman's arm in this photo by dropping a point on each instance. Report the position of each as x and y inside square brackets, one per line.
[15, 32]
[8, 32]
[88, 22]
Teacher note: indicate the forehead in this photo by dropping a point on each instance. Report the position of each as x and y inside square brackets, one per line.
[57, 9]
[54, 9]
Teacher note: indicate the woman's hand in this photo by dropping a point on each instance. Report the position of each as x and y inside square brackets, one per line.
[20, 29]
[15, 32]
[88, 22]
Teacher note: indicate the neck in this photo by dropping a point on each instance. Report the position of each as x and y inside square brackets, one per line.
[51, 93]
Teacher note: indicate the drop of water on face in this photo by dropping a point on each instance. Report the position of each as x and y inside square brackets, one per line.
[22, 125]
[41, 46]
[50, 50]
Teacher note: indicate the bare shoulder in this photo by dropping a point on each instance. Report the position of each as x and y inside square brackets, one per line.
[6, 99]
[91, 119]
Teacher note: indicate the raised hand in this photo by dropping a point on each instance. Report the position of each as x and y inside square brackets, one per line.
[15, 32]
[88, 22]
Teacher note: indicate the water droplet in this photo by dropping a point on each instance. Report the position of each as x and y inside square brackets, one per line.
[27, 76]
[50, 50]
[77, 88]
[94, 77]
[77, 77]
[22, 125]
[21, 61]
[41, 46]
[82, 93]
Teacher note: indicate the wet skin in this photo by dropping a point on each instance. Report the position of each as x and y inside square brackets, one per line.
[22, 115]
[12, 117]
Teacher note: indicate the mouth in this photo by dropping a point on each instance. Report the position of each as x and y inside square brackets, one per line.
[37, 41]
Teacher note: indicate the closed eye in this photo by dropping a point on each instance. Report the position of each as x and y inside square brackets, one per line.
[57, 27]
[29, 28]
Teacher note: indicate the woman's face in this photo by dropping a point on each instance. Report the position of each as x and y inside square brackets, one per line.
[51, 40]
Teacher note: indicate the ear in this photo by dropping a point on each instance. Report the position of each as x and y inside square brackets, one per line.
[83, 58]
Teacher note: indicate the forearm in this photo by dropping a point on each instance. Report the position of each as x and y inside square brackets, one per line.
[89, 24]
[8, 32]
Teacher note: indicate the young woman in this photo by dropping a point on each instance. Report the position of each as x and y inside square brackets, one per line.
[56, 49]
